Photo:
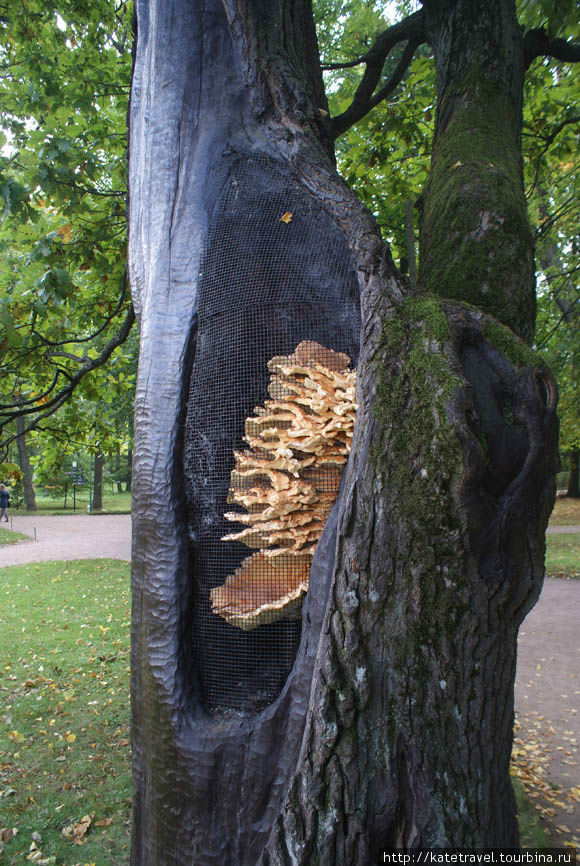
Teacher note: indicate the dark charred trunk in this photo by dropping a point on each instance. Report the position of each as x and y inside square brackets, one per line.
[394, 725]
[97, 504]
[573, 486]
[24, 463]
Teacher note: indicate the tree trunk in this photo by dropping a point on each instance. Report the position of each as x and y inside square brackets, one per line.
[394, 724]
[475, 241]
[129, 469]
[573, 486]
[98, 482]
[24, 463]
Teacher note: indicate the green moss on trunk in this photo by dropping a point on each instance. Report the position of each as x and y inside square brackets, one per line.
[476, 242]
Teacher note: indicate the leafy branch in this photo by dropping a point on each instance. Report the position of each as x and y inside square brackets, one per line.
[412, 31]
[10, 412]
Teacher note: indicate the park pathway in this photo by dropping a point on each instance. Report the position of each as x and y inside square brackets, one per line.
[74, 536]
[547, 683]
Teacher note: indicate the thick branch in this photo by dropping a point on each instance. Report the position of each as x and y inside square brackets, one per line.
[410, 30]
[537, 43]
[65, 393]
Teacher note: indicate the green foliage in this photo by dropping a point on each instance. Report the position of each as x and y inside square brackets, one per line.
[64, 742]
[385, 157]
[64, 93]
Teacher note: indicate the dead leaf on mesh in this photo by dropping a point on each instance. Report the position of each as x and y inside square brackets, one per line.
[76, 832]
[286, 217]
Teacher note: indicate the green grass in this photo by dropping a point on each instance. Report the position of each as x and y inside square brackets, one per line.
[113, 503]
[563, 555]
[64, 709]
[532, 834]
[566, 512]
[9, 537]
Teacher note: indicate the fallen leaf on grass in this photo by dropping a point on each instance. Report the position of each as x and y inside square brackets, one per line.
[35, 855]
[7, 834]
[103, 822]
[76, 832]
[16, 737]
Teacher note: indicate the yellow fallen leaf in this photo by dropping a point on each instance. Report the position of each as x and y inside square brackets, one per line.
[457, 164]
[16, 737]
[103, 822]
[70, 738]
[286, 217]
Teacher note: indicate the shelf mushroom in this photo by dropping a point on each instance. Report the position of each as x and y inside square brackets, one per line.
[287, 482]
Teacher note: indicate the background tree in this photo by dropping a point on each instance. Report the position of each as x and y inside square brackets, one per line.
[64, 304]
[395, 724]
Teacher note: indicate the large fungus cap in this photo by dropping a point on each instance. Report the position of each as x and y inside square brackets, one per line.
[262, 590]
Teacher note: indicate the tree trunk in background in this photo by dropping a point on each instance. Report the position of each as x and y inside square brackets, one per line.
[98, 482]
[394, 727]
[573, 486]
[475, 240]
[129, 469]
[24, 463]
[118, 468]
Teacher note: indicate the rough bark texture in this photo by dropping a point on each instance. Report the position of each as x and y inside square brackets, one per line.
[24, 463]
[394, 726]
[475, 243]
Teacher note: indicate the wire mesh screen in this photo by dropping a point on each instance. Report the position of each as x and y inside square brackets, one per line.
[276, 344]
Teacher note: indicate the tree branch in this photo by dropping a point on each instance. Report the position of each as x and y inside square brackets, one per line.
[63, 395]
[537, 43]
[364, 100]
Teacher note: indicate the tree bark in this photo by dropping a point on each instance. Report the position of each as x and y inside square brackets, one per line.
[475, 240]
[24, 463]
[98, 482]
[573, 486]
[394, 726]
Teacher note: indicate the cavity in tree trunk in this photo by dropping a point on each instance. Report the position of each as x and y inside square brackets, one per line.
[98, 482]
[24, 463]
[394, 725]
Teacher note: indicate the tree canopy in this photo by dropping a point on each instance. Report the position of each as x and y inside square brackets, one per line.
[64, 303]
[64, 78]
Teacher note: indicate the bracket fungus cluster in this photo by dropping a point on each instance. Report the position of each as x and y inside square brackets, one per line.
[287, 482]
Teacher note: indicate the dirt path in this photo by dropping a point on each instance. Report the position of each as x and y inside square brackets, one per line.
[548, 705]
[547, 683]
[79, 536]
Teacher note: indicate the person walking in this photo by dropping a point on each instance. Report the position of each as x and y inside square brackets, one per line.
[4, 502]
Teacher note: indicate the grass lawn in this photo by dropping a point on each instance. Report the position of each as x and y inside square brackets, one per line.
[64, 715]
[532, 834]
[113, 503]
[566, 512]
[64, 712]
[563, 555]
[9, 537]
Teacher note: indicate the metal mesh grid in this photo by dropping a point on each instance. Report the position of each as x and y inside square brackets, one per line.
[266, 286]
